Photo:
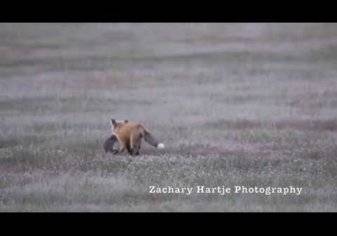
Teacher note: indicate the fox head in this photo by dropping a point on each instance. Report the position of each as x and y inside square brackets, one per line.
[116, 124]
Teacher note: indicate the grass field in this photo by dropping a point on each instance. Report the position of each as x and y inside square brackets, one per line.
[235, 104]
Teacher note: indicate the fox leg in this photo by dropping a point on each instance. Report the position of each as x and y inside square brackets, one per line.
[121, 149]
[124, 147]
[135, 142]
[128, 147]
[136, 148]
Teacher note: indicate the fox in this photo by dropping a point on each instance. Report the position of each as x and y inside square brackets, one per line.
[130, 134]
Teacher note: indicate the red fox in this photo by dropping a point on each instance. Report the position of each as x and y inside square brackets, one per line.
[130, 134]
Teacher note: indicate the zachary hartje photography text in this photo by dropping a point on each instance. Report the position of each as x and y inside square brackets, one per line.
[223, 190]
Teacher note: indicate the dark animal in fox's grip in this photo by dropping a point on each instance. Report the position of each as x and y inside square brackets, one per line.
[109, 144]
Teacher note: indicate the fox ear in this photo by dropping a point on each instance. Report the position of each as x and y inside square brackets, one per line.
[113, 122]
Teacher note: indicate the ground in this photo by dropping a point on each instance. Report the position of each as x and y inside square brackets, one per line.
[235, 104]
